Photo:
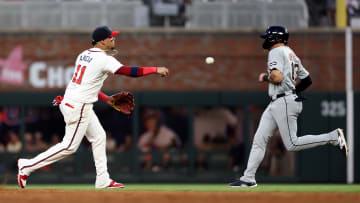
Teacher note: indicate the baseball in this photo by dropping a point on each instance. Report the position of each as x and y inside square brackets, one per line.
[209, 60]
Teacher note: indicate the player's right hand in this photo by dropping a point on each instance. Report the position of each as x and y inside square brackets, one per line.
[57, 100]
[164, 72]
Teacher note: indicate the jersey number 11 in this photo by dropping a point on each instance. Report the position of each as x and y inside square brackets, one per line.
[78, 79]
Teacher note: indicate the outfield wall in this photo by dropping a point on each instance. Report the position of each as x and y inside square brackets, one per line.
[43, 61]
[323, 112]
[36, 65]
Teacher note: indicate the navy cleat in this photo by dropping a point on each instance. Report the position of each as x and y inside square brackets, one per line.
[240, 183]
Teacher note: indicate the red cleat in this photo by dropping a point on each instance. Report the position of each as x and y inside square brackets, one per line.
[22, 180]
[114, 185]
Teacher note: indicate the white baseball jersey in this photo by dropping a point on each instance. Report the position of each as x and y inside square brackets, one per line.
[91, 69]
[284, 59]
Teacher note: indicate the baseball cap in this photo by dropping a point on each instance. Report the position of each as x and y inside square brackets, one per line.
[103, 32]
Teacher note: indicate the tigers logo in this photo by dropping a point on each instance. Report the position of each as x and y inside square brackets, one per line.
[12, 69]
[291, 56]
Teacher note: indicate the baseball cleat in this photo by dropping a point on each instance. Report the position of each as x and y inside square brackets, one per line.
[21, 178]
[114, 185]
[342, 142]
[240, 183]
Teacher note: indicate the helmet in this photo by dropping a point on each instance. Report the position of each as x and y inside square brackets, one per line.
[274, 35]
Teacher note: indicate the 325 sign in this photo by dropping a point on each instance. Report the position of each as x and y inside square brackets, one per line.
[333, 108]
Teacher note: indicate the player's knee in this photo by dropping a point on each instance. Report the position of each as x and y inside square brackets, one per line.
[71, 150]
[66, 148]
[260, 142]
[291, 147]
[101, 138]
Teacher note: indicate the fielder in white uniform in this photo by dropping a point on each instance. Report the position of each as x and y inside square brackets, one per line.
[284, 67]
[91, 69]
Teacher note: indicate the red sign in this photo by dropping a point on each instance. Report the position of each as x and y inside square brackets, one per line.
[12, 69]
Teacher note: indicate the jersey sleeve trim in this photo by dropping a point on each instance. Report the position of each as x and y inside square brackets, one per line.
[103, 97]
[134, 71]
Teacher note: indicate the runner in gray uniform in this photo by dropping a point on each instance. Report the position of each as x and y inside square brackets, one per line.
[284, 67]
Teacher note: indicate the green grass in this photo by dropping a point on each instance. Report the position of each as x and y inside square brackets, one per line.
[210, 187]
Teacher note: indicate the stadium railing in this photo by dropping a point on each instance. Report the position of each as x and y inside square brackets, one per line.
[244, 13]
[72, 15]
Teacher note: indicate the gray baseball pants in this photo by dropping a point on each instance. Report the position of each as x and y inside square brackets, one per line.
[282, 113]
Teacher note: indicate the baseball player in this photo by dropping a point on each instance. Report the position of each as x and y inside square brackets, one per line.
[283, 68]
[91, 69]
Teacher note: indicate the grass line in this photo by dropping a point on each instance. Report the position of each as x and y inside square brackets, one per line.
[355, 188]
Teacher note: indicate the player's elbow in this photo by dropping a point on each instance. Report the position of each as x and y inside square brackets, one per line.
[307, 81]
[291, 148]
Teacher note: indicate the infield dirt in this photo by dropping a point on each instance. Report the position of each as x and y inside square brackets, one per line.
[57, 196]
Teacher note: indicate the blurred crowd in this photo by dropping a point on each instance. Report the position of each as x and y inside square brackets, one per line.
[43, 127]
[323, 12]
[161, 130]
[163, 136]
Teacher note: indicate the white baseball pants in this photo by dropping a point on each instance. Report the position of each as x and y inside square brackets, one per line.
[80, 120]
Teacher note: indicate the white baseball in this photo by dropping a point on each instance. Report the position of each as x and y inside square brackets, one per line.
[209, 60]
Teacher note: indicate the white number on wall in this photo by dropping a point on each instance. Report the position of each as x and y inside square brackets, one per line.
[333, 108]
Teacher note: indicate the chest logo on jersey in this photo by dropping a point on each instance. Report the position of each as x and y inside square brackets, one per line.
[273, 63]
[85, 58]
[291, 56]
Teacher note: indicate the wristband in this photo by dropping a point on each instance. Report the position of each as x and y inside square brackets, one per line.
[266, 78]
[103, 97]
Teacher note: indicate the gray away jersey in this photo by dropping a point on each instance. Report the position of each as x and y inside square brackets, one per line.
[284, 59]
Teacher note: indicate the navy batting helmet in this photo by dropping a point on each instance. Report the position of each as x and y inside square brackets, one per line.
[274, 35]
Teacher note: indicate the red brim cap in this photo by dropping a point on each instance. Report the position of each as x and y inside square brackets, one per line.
[114, 33]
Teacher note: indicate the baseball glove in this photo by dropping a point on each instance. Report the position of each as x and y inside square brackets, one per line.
[123, 102]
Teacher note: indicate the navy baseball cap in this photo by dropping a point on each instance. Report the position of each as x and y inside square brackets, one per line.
[103, 32]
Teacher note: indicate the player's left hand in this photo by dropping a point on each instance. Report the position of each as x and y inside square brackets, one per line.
[163, 71]
[123, 102]
[261, 76]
